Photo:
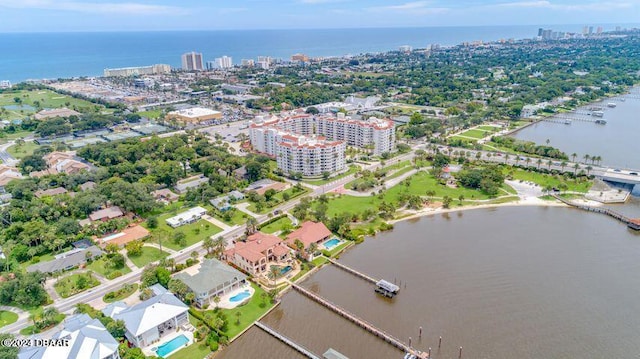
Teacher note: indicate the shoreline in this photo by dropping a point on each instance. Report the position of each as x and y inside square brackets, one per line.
[441, 210]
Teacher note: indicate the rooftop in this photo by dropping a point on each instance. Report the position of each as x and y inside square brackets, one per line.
[208, 275]
[194, 112]
[106, 213]
[309, 232]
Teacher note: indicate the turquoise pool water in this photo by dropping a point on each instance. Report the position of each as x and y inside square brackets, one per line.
[240, 296]
[285, 270]
[331, 243]
[173, 344]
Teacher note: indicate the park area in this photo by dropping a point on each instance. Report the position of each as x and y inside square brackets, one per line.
[19, 104]
[559, 182]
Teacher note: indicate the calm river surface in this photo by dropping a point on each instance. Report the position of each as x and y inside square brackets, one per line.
[616, 142]
[512, 282]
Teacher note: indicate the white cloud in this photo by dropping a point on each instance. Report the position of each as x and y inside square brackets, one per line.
[412, 8]
[584, 6]
[94, 8]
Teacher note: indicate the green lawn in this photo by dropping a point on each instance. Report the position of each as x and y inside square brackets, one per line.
[250, 313]
[545, 180]
[47, 99]
[30, 330]
[276, 226]
[399, 172]
[352, 169]
[197, 350]
[149, 254]
[68, 286]
[4, 136]
[464, 139]
[237, 217]
[339, 248]
[194, 232]
[120, 294]
[42, 258]
[100, 266]
[7, 318]
[23, 150]
[489, 128]
[153, 114]
[419, 184]
[475, 133]
[279, 200]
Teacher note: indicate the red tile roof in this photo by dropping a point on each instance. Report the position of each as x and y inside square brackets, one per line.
[309, 232]
[256, 246]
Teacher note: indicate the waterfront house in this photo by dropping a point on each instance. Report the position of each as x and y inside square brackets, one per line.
[210, 279]
[308, 233]
[256, 253]
[190, 216]
[152, 319]
[83, 336]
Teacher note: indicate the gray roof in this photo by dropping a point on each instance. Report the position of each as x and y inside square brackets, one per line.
[211, 275]
[66, 261]
[88, 338]
[152, 312]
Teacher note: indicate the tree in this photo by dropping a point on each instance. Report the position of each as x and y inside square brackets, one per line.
[111, 248]
[446, 201]
[461, 199]
[219, 245]
[152, 222]
[216, 300]
[208, 245]
[573, 156]
[326, 175]
[116, 260]
[251, 226]
[134, 248]
[116, 328]
[8, 351]
[238, 315]
[575, 168]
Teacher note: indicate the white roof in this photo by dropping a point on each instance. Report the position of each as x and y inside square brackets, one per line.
[195, 211]
[151, 313]
[195, 112]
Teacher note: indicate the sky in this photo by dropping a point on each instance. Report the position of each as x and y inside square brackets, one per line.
[142, 15]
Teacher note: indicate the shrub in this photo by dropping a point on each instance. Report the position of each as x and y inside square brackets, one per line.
[114, 274]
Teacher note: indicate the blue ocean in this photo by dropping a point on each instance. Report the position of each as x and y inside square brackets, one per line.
[61, 55]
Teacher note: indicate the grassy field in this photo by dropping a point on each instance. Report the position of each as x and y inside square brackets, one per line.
[47, 99]
[7, 317]
[279, 200]
[545, 180]
[43, 258]
[237, 217]
[399, 172]
[194, 232]
[419, 184]
[120, 294]
[352, 169]
[250, 312]
[153, 114]
[464, 139]
[475, 134]
[276, 226]
[197, 350]
[100, 266]
[68, 286]
[149, 254]
[489, 128]
[22, 150]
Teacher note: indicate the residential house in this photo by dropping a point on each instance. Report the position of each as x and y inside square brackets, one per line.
[67, 260]
[50, 192]
[127, 235]
[223, 203]
[8, 174]
[210, 279]
[106, 214]
[308, 233]
[165, 196]
[190, 216]
[264, 185]
[83, 336]
[192, 182]
[254, 254]
[87, 186]
[152, 319]
[62, 162]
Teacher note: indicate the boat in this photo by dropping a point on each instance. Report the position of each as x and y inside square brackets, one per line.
[611, 104]
[601, 122]
[567, 122]
[597, 113]
[595, 108]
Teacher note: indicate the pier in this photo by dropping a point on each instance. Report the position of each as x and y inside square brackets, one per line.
[361, 323]
[563, 118]
[353, 271]
[299, 348]
[630, 222]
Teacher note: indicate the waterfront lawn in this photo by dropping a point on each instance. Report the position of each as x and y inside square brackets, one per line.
[101, 267]
[544, 180]
[123, 292]
[277, 225]
[196, 350]
[24, 150]
[250, 313]
[148, 255]
[463, 139]
[7, 317]
[75, 284]
[352, 169]
[475, 134]
[194, 232]
[489, 128]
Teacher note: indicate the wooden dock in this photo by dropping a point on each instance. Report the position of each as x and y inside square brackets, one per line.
[353, 271]
[563, 118]
[299, 348]
[361, 323]
[630, 222]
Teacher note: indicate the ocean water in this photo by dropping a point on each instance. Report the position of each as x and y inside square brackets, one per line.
[53, 55]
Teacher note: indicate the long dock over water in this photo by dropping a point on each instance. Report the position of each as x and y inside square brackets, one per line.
[353, 271]
[360, 322]
[630, 222]
[299, 348]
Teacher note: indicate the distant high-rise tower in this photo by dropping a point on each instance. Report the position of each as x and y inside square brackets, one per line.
[585, 30]
[590, 30]
[192, 61]
[599, 30]
[224, 62]
[540, 30]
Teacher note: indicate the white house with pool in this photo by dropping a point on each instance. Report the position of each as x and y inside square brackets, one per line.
[154, 322]
[211, 279]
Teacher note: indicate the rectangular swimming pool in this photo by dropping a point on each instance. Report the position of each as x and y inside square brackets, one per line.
[169, 347]
[331, 243]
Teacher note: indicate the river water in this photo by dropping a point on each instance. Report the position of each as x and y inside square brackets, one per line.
[616, 142]
[511, 282]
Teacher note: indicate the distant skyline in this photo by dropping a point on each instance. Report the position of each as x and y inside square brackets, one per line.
[155, 15]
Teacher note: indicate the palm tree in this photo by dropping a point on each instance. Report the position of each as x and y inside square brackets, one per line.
[208, 244]
[506, 158]
[219, 246]
[528, 160]
[563, 165]
[549, 163]
[586, 158]
[575, 168]
[273, 273]
[574, 155]
[539, 162]
[251, 225]
[588, 168]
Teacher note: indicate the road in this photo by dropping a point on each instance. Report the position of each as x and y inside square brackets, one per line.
[5, 156]
[68, 304]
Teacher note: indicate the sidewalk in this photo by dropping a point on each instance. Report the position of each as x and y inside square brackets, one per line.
[164, 248]
[243, 207]
[216, 222]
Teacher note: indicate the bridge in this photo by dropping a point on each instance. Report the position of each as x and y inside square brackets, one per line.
[625, 177]
[630, 222]
[392, 340]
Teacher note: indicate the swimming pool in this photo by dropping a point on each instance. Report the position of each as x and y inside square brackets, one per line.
[240, 296]
[172, 345]
[285, 270]
[331, 243]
